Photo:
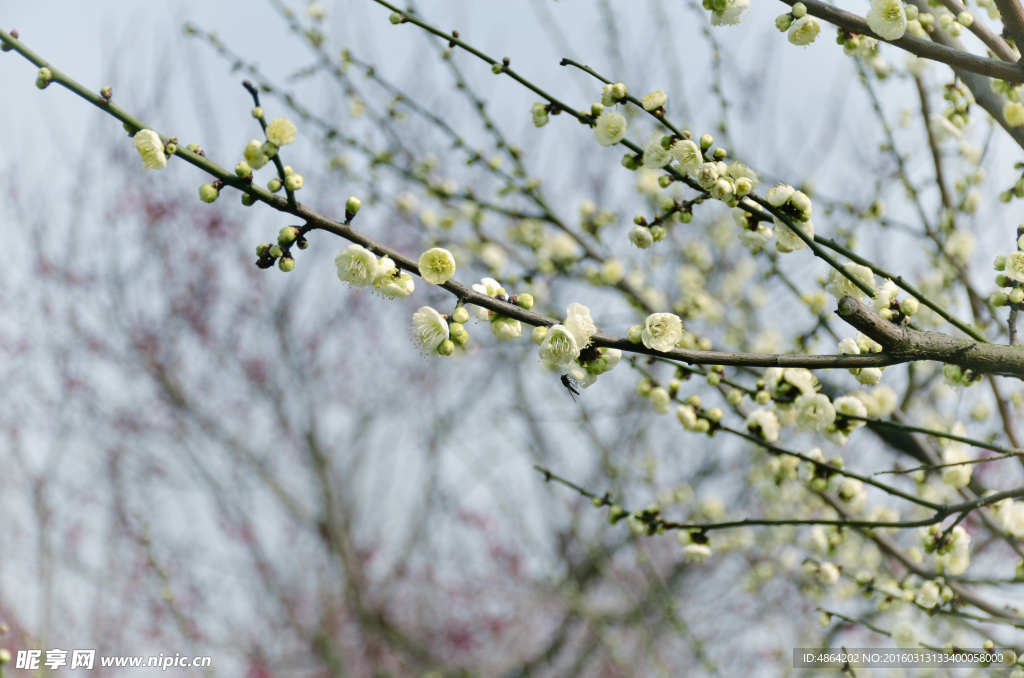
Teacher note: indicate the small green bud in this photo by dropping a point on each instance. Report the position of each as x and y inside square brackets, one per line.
[262, 250]
[596, 110]
[496, 69]
[303, 243]
[269, 149]
[912, 12]
[275, 251]
[286, 264]
[783, 22]
[615, 514]
[998, 299]
[352, 206]
[720, 154]
[525, 301]
[664, 180]
[242, 170]
[965, 19]
[799, 10]
[257, 112]
[293, 182]
[193, 147]
[763, 397]
[715, 415]
[686, 217]
[44, 78]
[274, 185]
[735, 397]
[1016, 295]
[693, 400]
[538, 334]
[886, 313]
[248, 200]
[208, 193]
[629, 162]
[705, 141]
[639, 220]
[1000, 263]
[713, 379]
[644, 387]
[460, 315]
[619, 91]
[170, 149]
[635, 334]
[446, 347]
[819, 484]
[395, 18]
[1002, 280]
[288, 170]
[458, 334]
[287, 236]
[910, 306]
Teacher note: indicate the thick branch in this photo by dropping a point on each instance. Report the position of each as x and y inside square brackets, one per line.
[905, 344]
[992, 40]
[1013, 18]
[922, 48]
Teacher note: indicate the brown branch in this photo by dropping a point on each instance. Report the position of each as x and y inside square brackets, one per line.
[992, 40]
[936, 51]
[1013, 18]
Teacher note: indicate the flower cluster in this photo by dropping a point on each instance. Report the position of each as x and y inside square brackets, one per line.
[797, 208]
[727, 12]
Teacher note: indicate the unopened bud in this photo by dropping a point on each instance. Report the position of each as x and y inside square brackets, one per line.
[664, 180]
[293, 182]
[619, 91]
[208, 193]
[287, 236]
[302, 243]
[274, 185]
[658, 233]
[106, 92]
[352, 206]
[1002, 280]
[635, 334]
[263, 250]
[713, 379]
[286, 264]
[720, 154]
[446, 347]
[629, 162]
[496, 69]
[799, 10]
[5, 655]
[44, 77]
[538, 334]
[783, 22]
[1016, 295]
[596, 109]
[460, 315]
[910, 306]
[257, 112]
[242, 170]
[639, 220]
[395, 18]
[734, 397]
[1000, 263]
[705, 141]
[275, 251]
[248, 200]
[524, 301]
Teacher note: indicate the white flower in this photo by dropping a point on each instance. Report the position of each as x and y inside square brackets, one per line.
[662, 331]
[656, 155]
[641, 237]
[607, 95]
[559, 346]
[254, 155]
[707, 175]
[732, 15]
[148, 144]
[1014, 268]
[695, 554]
[956, 476]
[281, 132]
[841, 285]
[398, 286]
[722, 190]
[540, 115]
[688, 155]
[928, 596]
[885, 294]
[429, 329]
[581, 375]
[814, 412]
[786, 240]
[491, 288]
[863, 47]
[1011, 515]
[580, 324]
[960, 244]
[957, 559]
[828, 574]
[356, 265]
[504, 328]
[611, 128]
[316, 11]
[869, 376]
[887, 19]
[660, 400]
[1014, 114]
[755, 239]
[886, 399]
[942, 129]
[804, 30]
[850, 405]
[848, 347]
[904, 634]
[436, 265]
[687, 417]
[765, 422]
[779, 195]
[738, 170]
[654, 100]
[802, 378]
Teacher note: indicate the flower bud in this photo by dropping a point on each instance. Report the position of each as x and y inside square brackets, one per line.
[629, 162]
[658, 233]
[910, 306]
[644, 387]
[208, 193]
[257, 112]
[242, 170]
[713, 379]
[248, 200]
[886, 313]
[538, 334]
[635, 334]
[293, 182]
[352, 206]
[998, 299]
[524, 301]
[686, 217]
[275, 251]
[496, 69]
[619, 91]
[262, 250]
[395, 18]
[286, 264]
[287, 236]
[458, 334]
[269, 149]
[800, 201]
[303, 243]
[615, 514]
[705, 141]
[1002, 280]
[460, 315]
[734, 397]
[446, 347]
[783, 22]
[799, 10]
[274, 185]
[5, 655]
[743, 187]
[171, 149]
[44, 78]
[763, 397]
[912, 12]
[288, 170]
[1016, 295]
[965, 18]
[1000, 263]
[720, 154]
[596, 109]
